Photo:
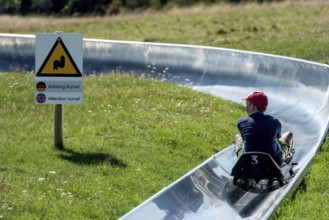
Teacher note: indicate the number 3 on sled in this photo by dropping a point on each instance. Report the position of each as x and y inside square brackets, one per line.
[254, 160]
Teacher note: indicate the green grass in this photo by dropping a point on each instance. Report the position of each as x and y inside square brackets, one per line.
[133, 136]
[130, 138]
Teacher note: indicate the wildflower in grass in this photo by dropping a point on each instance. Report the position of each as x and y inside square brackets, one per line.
[6, 206]
[41, 179]
[69, 195]
[63, 194]
[204, 109]
[52, 172]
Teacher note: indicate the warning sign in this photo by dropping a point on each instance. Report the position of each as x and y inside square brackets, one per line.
[59, 68]
[59, 62]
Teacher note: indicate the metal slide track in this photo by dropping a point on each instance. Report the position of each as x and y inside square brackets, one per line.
[298, 96]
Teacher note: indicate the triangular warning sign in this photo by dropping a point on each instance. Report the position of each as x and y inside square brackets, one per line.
[59, 62]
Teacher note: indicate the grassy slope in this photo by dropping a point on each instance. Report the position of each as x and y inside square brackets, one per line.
[292, 29]
[130, 138]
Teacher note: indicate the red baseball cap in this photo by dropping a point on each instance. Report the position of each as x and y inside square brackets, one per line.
[259, 99]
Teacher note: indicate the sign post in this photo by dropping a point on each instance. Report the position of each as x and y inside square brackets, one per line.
[58, 126]
[58, 79]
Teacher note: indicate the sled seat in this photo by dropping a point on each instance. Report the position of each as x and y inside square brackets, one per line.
[257, 166]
